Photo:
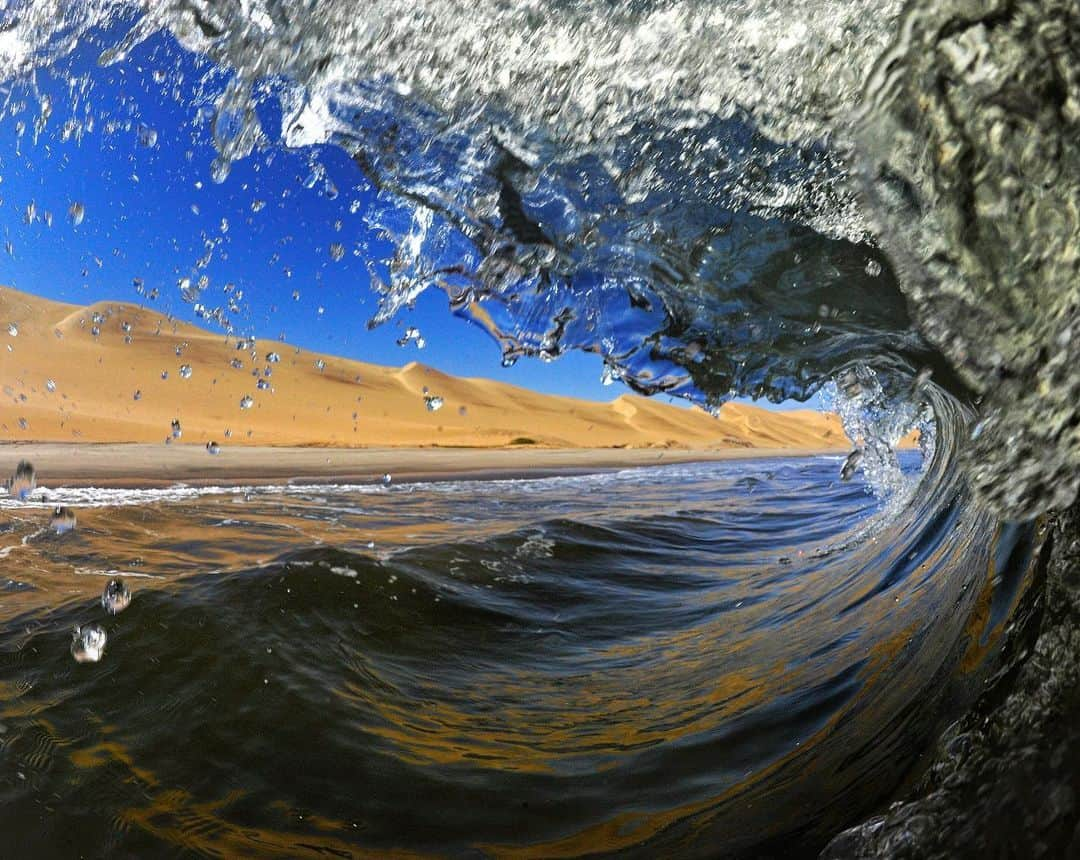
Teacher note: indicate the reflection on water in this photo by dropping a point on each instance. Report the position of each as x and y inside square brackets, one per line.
[687, 659]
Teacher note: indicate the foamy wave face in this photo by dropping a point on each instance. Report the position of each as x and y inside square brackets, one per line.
[108, 497]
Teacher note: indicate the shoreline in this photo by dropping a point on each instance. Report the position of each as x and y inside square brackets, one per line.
[149, 466]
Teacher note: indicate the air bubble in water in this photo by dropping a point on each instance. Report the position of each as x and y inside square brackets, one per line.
[116, 597]
[213, 448]
[257, 205]
[62, 520]
[433, 402]
[76, 212]
[88, 643]
[137, 395]
[337, 252]
[247, 401]
[185, 371]
[873, 268]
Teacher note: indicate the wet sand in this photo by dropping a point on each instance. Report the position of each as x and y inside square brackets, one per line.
[157, 465]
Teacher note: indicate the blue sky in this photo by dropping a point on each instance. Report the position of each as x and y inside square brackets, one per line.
[152, 212]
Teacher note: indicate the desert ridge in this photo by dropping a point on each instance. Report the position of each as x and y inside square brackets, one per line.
[114, 372]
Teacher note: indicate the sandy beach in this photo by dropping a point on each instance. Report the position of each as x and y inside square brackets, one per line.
[119, 394]
[139, 465]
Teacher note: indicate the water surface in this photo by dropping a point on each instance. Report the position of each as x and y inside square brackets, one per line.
[688, 658]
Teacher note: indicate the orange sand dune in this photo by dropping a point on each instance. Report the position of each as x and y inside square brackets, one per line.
[61, 382]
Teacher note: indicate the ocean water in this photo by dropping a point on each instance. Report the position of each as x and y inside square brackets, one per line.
[735, 656]
[760, 199]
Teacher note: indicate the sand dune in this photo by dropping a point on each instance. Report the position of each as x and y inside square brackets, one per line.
[111, 372]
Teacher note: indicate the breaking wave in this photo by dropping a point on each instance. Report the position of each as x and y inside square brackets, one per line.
[750, 198]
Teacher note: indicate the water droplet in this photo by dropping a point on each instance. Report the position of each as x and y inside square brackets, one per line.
[164, 374]
[13, 329]
[50, 385]
[320, 365]
[88, 643]
[147, 136]
[247, 401]
[62, 520]
[273, 357]
[850, 464]
[76, 212]
[137, 395]
[185, 371]
[257, 205]
[116, 597]
[873, 268]
[433, 402]
[177, 431]
[337, 252]
[412, 333]
[22, 483]
[386, 480]
[219, 170]
[213, 448]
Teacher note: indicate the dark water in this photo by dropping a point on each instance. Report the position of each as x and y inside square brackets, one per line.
[727, 659]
